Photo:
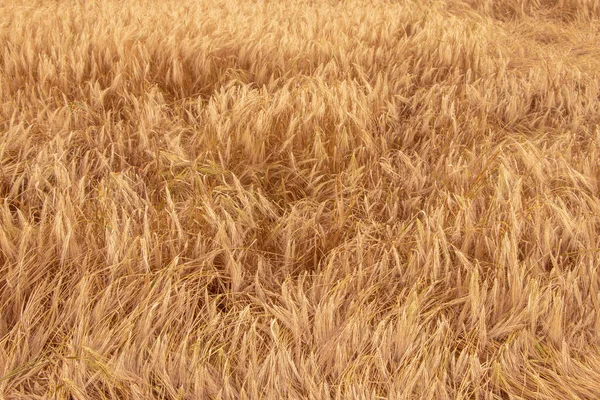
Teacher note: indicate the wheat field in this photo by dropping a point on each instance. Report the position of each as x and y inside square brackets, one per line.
[300, 199]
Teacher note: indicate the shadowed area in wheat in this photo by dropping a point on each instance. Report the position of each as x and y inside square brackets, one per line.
[300, 199]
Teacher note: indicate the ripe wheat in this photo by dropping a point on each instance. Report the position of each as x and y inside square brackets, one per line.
[300, 199]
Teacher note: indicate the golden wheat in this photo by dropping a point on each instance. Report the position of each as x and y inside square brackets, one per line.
[300, 199]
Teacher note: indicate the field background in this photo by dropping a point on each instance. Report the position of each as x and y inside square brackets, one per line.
[300, 199]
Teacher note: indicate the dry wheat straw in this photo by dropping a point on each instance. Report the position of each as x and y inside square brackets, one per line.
[299, 199]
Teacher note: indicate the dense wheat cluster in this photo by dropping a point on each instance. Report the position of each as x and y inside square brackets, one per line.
[290, 199]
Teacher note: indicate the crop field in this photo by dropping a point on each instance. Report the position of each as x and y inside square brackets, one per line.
[300, 199]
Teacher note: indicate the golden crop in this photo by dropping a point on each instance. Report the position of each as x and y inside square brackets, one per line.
[300, 199]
